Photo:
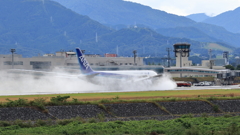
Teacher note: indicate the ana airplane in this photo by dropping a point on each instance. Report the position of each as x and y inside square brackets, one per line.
[129, 75]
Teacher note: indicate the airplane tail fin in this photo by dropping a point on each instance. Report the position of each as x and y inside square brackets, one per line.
[84, 66]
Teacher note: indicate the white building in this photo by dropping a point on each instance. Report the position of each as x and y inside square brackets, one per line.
[63, 60]
[184, 67]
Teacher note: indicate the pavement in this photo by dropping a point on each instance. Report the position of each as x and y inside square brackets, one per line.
[208, 87]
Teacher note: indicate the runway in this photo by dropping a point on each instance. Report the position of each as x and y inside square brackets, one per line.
[96, 90]
[208, 87]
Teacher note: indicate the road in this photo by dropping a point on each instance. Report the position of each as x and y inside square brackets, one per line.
[208, 87]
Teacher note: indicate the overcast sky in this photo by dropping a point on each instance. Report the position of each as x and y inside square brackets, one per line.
[186, 7]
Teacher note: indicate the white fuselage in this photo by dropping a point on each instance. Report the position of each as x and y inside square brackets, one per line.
[133, 72]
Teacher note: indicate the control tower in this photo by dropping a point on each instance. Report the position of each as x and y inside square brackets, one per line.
[182, 53]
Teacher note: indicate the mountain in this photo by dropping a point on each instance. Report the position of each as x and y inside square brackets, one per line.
[204, 33]
[115, 12]
[43, 27]
[188, 32]
[144, 40]
[119, 13]
[35, 27]
[230, 20]
[198, 17]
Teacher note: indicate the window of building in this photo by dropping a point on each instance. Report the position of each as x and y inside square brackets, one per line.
[41, 64]
[15, 63]
[72, 64]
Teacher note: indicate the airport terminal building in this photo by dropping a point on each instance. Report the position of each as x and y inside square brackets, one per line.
[184, 67]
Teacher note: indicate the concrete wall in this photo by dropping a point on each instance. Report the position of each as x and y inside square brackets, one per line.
[121, 111]
[22, 113]
[135, 109]
[84, 111]
[185, 107]
[228, 105]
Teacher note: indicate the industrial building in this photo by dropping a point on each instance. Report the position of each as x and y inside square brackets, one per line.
[184, 67]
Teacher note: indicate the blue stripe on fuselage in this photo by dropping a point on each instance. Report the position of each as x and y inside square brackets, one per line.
[111, 75]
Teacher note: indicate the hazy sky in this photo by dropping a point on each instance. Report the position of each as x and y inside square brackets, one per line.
[186, 7]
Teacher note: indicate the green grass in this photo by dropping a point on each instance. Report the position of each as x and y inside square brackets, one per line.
[62, 100]
[186, 125]
[216, 46]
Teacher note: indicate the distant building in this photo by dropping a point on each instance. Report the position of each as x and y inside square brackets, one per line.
[184, 67]
[67, 60]
[110, 55]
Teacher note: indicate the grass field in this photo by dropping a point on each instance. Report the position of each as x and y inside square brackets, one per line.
[134, 95]
[217, 47]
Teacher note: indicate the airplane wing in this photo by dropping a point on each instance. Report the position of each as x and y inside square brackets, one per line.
[148, 78]
[91, 75]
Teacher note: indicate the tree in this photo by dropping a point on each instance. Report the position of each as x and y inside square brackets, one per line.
[238, 67]
[229, 67]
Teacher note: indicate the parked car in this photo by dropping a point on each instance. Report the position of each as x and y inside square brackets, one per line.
[205, 83]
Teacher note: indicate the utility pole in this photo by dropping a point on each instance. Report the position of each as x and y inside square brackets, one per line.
[12, 50]
[210, 58]
[169, 58]
[210, 54]
[135, 55]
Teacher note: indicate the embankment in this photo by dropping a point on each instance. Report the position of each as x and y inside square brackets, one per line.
[124, 111]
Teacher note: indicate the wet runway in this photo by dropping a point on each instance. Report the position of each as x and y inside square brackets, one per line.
[208, 87]
[96, 90]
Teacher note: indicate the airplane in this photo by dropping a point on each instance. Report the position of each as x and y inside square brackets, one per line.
[129, 75]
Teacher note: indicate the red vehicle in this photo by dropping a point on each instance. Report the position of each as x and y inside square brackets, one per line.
[184, 84]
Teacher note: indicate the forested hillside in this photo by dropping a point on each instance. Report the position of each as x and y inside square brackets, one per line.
[43, 27]
[36, 27]
[122, 14]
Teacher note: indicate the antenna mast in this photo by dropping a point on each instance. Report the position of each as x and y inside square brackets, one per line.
[210, 54]
[96, 37]
[117, 50]
[169, 58]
